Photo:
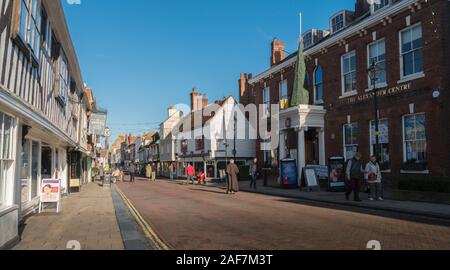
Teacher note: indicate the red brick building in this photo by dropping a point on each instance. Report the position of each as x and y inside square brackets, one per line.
[409, 42]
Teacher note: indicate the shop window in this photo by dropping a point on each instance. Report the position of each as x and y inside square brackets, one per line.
[351, 140]
[29, 172]
[348, 73]
[284, 97]
[415, 141]
[46, 158]
[30, 25]
[318, 85]
[383, 139]
[377, 55]
[411, 51]
[6, 155]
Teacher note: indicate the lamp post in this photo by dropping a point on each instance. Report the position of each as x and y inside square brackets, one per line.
[373, 72]
[234, 138]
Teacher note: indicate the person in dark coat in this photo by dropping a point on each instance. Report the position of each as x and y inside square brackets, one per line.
[354, 174]
[132, 172]
[233, 171]
[254, 173]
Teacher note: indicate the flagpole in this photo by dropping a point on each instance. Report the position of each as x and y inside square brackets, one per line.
[301, 28]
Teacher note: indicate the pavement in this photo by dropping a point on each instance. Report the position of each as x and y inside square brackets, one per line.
[433, 210]
[193, 217]
[87, 222]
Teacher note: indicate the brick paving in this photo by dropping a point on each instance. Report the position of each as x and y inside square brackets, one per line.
[204, 218]
[87, 217]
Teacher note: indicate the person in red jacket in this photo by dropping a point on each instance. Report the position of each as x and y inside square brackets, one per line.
[201, 178]
[190, 172]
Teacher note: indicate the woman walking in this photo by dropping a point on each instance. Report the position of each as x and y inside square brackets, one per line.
[374, 178]
[233, 171]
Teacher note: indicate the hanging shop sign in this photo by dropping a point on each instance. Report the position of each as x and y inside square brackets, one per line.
[50, 193]
[97, 124]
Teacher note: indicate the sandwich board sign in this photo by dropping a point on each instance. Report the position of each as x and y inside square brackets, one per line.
[50, 193]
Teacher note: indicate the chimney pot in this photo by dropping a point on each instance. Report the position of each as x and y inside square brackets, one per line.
[277, 54]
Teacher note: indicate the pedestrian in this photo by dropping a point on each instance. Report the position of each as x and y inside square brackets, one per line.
[190, 173]
[153, 173]
[101, 172]
[233, 181]
[354, 174]
[254, 173]
[132, 172]
[171, 170]
[201, 177]
[148, 171]
[374, 178]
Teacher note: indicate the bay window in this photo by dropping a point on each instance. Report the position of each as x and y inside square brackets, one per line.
[337, 22]
[30, 25]
[411, 51]
[6, 154]
[351, 140]
[348, 75]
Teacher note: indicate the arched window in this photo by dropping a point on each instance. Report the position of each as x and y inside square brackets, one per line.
[318, 85]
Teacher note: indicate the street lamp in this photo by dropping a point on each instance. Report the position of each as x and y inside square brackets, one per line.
[374, 72]
[234, 138]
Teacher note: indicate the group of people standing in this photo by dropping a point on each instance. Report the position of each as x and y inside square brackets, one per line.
[357, 173]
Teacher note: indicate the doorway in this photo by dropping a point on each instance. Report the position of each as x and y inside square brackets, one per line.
[312, 147]
[46, 159]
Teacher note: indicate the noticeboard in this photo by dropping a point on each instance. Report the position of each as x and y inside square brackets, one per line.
[311, 178]
[97, 123]
[321, 171]
[289, 172]
[336, 174]
[50, 192]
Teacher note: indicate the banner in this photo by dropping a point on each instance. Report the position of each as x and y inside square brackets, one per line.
[337, 174]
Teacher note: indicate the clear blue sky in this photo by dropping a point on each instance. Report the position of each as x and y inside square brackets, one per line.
[141, 56]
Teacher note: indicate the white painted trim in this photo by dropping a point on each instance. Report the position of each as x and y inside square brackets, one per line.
[349, 94]
[349, 32]
[404, 135]
[378, 85]
[355, 91]
[16, 104]
[411, 77]
[404, 78]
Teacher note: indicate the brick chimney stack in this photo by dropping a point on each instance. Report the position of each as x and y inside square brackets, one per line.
[198, 101]
[244, 96]
[277, 54]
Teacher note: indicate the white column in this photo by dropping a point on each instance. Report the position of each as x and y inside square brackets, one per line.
[216, 175]
[282, 145]
[301, 163]
[322, 153]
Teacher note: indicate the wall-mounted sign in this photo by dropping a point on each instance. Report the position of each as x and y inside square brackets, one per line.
[50, 193]
[97, 124]
[396, 90]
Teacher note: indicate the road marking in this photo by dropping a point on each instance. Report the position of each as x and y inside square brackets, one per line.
[147, 228]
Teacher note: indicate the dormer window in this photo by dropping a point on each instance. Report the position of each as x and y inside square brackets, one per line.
[380, 4]
[337, 22]
[308, 39]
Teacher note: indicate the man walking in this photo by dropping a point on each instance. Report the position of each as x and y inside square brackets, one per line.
[233, 182]
[354, 174]
[132, 172]
[190, 172]
[254, 173]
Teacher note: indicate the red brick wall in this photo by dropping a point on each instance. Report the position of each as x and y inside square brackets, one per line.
[436, 69]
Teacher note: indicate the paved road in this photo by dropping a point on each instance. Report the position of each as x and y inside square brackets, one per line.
[204, 218]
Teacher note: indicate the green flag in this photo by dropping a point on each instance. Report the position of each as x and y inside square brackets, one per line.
[300, 95]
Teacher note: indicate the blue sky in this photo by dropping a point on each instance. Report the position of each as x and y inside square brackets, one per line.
[141, 56]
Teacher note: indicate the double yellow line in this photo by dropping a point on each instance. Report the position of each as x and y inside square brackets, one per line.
[147, 228]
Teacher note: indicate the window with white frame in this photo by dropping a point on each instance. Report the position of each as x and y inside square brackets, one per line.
[415, 140]
[380, 4]
[29, 173]
[6, 154]
[377, 55]
[349, 72]
[266, 101]
[351, 140]
[383, 140]
[411, 51]
[30, 24]
[337, 22]
[318, 85]
[284, 97]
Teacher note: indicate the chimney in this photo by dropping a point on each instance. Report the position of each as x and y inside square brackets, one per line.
[277, 54]
[243, 89]
[198, 100]
[171, 111]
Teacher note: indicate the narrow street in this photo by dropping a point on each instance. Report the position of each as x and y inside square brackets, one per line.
[205, 218]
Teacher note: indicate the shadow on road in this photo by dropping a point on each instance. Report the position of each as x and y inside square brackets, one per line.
[367, 211]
